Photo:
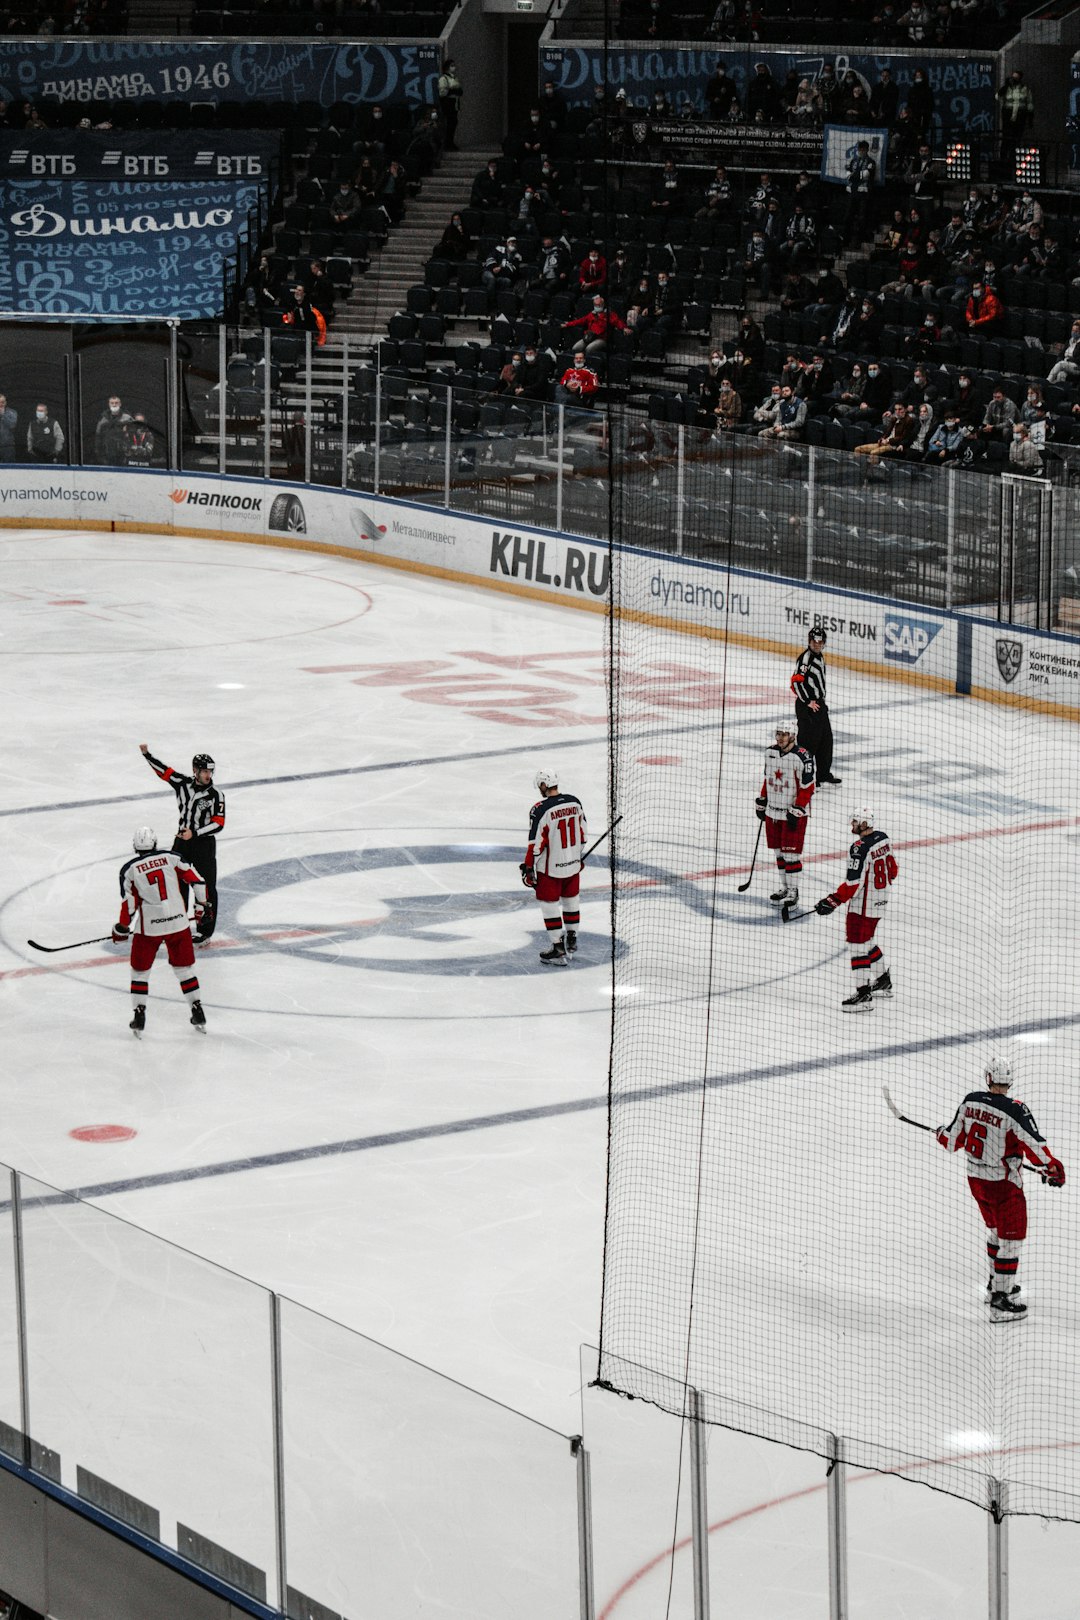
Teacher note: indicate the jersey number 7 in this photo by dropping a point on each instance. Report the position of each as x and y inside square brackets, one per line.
[157, 878]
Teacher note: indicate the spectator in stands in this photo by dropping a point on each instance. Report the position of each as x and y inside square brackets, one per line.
[661, 110]
[139, 443]
[503, 267]
[884, 100]
[535, 379]
[1017, 109]
[487, 188]
[790, 418]
[1024, 457]
[840, 336]
[920, 390]
[1024, 212]
[592, 272]
[391, 194]
[620, 278]
[261, 287]
[345, 207]
[817, 382]
[666, 196]
[664, 313]
[968, 399]
[426, 144]
[899, 430]
[751, 340]
[918, 21]
[829, 93]
[1067, 369]
[757, 264]
[300, 314]
[999, 417]
[798, 245]
[528, 209]
[728, 409]
[507, 380]
[757, 203]
[448, 88]
[796, 292]
[721, 94]
[718, 197]
[553, 267]
[924, 429]
[856, 104]
[743, 374]
[984, 313]
[1033, 413]
[920, 104]
[805, 110]
[861, 172]
[919, 174]
[552, 109]
[45, 436]
[1029, 255]
[455, 243]
[948, 439]
[766, 414]
[320, 289]
[826, 297]
[578, 384]
[110, 434]
[596, 325]
[955, 239]
[973, 210]
[924, 342]
[762, 102]
[865, 332]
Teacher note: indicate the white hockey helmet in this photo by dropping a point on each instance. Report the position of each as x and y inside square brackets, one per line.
[787, 724]
[143, 839]
[999, 1072]
[862, 817]
[546, 779]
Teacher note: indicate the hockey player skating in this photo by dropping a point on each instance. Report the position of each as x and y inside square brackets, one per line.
[201, 809]
[552, 864]
[997, 1134]
[811, 706]
[783, 805]
[152, 910]
[871, 873]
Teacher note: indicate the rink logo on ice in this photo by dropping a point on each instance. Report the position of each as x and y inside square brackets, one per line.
[1010, 655]
[207, 497]
[907, 639]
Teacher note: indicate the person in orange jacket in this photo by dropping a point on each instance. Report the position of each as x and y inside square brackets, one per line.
[984, 310]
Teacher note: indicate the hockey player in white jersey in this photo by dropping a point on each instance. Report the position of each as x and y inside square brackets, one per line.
[871, 873]
[783, 805]
[553, 862]
[151, 911]
[997, 1134]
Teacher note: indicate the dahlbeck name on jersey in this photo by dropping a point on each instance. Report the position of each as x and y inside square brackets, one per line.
[943, 651]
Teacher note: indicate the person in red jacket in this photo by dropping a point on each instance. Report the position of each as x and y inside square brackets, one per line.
[592, 272]
[578, 383]
[984, 310]
[597, 323]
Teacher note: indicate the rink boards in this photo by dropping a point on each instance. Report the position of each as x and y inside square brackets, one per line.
[949, 652]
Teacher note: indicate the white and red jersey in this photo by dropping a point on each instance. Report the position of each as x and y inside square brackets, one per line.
[151, 901]
[871, 873]
[556, 835]
[996, 1133]
[789, 782]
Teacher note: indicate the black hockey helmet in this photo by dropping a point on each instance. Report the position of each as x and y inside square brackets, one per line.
[202, 762]
[817, 634]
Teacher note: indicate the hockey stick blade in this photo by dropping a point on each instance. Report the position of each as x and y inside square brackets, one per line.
[918, 1124]
[794, 916]
[78, 944]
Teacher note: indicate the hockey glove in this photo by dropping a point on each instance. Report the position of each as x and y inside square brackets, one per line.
[120, 933]
[528, 875]
[1054, 1174]
[829, 903]
[759, 808]
[793, 819]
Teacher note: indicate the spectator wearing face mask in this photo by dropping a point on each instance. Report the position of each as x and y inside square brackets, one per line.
[789, 419]
[895, 439]
[948, 440]
[1024, 456]
[728, 410]
[924, 429]
[578, 383]
[592, 272]
[826, 298]
[664, 313]
[596, 326]
[983, 314]
[999, 417]
[45, 436]
[1067, 369]
[110, 435]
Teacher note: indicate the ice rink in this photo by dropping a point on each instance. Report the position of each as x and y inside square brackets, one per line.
[398, 1115]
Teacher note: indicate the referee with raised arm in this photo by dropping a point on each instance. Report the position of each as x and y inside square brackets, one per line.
[201, 810]
[811, 706]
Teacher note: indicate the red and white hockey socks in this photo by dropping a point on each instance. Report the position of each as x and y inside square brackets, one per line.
[867, 963]
[140, 989]
[188, 983]
[553, 917]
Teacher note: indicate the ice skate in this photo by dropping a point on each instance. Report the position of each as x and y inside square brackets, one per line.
[882, 986]
[861, 1001]
[780, 896]
[791, 895]
[557, 953]
[198, 1017]
[571, 941]
[1015, 1289]
[138, 1022]
[1004, 1308]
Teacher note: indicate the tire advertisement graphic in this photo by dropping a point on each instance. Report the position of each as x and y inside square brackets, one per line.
[287, 515]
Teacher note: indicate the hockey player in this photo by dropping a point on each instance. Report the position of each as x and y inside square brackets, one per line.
[783, 805]
[552, 864]
[997, 1134]
[811, 707]
[151, 910]
[202, 816]
[871, 873]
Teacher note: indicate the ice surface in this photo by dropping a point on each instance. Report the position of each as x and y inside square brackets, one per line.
[397, 1117]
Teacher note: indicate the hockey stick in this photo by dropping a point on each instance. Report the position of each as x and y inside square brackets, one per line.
[105, 939]
[794, 916]
[601, 838]
[753, 859]
[919, 1126]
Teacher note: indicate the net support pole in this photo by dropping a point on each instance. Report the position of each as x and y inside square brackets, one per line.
[20, 1314]
[950, 538]
[699, 1509]
[998, 1524]
[559, 473]
[378, 429]
[308, 358]
[268, 399]
[345, 413]
[811, 510]
[836, 1499]
[586, 1587]
[448, 448]
[222, 398]
[278, 1418]
[680, 490]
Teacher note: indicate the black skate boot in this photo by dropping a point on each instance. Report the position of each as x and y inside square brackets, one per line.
[571, 941]
[781, 894]
[882, 986]
[1015, 1289]
[1003, 1308]
[861, 1001]
[557, 953]
[138, 1021]
[198, 1017]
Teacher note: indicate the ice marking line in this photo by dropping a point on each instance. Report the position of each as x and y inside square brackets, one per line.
[600, 733]
[557, 1110]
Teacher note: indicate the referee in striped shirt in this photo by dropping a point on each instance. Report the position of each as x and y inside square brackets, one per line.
[201, 810]
[811, 706]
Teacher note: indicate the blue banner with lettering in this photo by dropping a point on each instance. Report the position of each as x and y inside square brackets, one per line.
[120, 154]
[88, 248]
[962, 86]
[206, 70]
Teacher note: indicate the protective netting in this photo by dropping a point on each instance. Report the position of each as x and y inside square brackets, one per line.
[775, 1237]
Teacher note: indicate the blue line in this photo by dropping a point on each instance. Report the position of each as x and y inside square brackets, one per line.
[524, 1116]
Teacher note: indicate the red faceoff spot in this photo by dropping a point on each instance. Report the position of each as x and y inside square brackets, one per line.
[103, 1133]
[660, 759]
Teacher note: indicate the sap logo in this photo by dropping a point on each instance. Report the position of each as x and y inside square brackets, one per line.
[907, 639]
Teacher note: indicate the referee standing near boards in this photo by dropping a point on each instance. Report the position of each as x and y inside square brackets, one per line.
[811, 707]
[201, 809]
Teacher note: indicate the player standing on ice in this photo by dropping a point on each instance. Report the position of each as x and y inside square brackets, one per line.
[871, 873]
[152, 909]
[997, 1133]
[553, 861]
[783, 805]
[202, 816]
[811, 707]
